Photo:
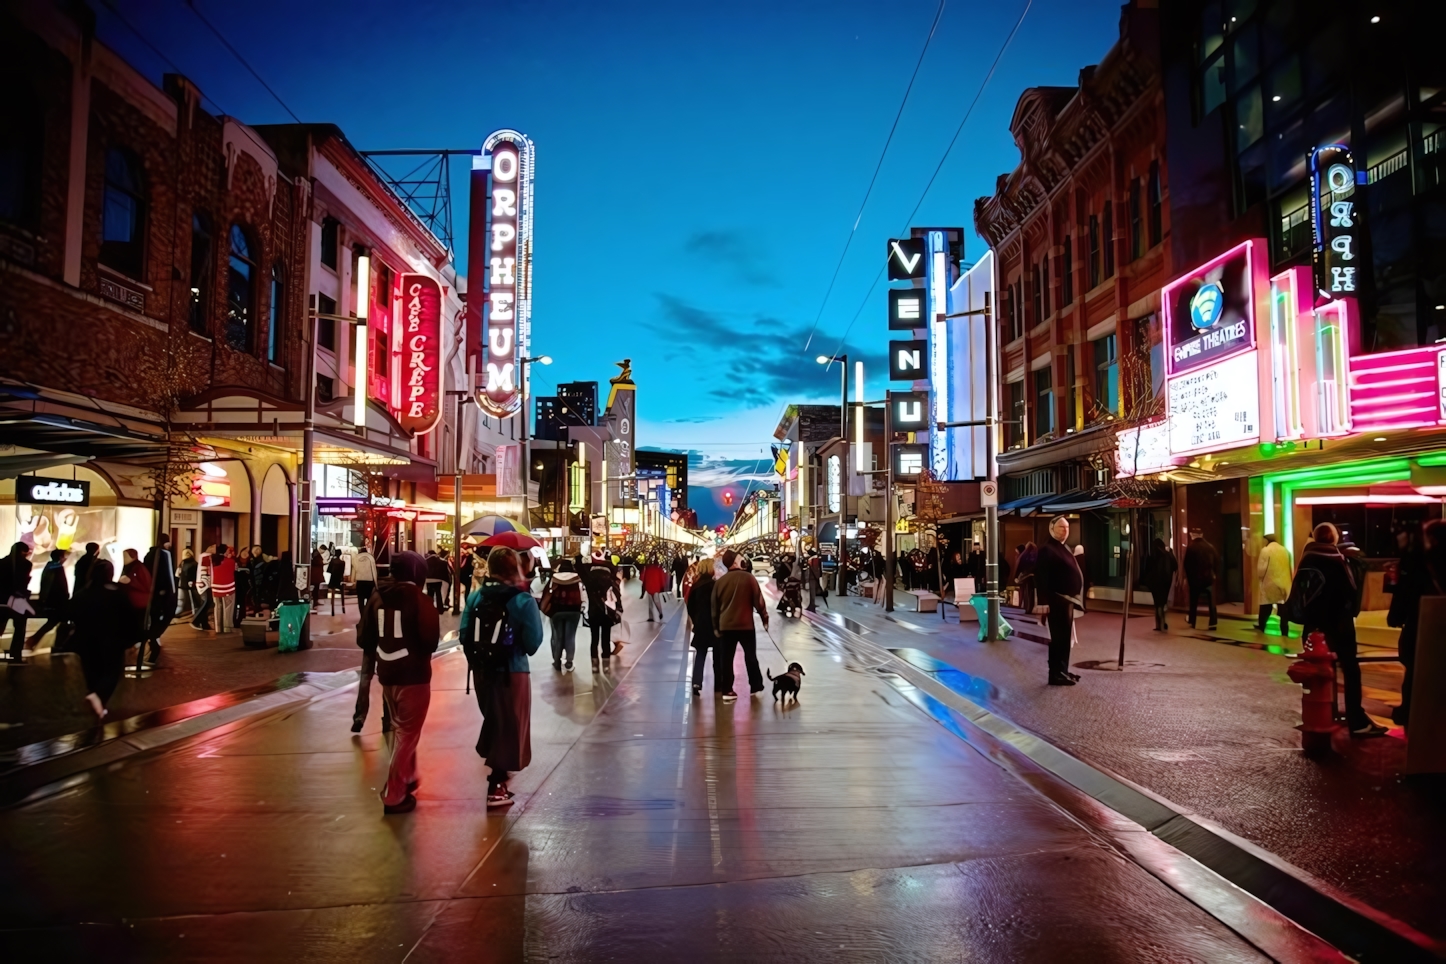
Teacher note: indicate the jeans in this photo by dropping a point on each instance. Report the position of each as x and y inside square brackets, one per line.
[434, 589]
[655, 599]
[1209, 593]
[728, 642]
[408, 706]
[203, 610]
[1341, 638]
[700, 662]
[564, 635]
[1265, 615]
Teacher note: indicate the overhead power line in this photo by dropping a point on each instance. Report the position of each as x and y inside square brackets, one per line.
[237, 54]
[873, 180]
[115, 12]
[940, 166]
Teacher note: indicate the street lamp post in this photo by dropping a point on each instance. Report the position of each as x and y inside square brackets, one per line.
[843, 434]
[526, 462]
[463, 397]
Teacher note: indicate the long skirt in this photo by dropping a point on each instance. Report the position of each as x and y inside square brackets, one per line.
[506, 705]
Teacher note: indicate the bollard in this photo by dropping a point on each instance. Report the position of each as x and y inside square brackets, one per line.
[1314, 669]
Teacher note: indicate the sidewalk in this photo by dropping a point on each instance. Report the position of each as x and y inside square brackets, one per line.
[1209, 724]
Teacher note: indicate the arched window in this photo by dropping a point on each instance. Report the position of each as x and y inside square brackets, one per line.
[240, 291]
[200, 271]
[21, 136]
[273, 330]
[123, 216]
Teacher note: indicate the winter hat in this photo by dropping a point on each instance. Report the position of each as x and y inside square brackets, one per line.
[409, 567]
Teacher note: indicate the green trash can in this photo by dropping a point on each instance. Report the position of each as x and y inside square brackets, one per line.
[294, 626]
[980, 602]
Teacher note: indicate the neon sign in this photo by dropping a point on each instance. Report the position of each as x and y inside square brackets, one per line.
[1335, 219]
[1210, 312]
[421, 340]
[210, 486]
[508, 277]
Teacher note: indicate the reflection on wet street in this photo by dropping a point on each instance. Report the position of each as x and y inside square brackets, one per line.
[651, 826]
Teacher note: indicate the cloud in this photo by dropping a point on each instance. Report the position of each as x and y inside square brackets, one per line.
[735, 252]
[757, 360]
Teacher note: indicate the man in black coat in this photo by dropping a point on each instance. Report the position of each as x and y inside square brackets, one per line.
[1059, 585]
[1200, 575]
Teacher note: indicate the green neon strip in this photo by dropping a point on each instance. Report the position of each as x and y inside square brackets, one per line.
[1357, 477]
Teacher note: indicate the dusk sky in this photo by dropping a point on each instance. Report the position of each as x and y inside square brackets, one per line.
[699, 166]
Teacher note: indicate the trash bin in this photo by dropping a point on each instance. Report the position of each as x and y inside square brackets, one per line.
[257, 632]
[980, 602]
[294, 626]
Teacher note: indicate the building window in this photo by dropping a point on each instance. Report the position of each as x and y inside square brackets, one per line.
[1094, 250]
[1071, 392]
[1066, 295]
[1156, 202]
[200, 272]
[240, 291]
[1109, 239]
[1016, 414]
[1149, 347]
[1043, 403]
[326, 327]
[325, 388]
[330, 232]
[1137, 225]
[124, 213]
[273, 329]
[1018, 288]
[22, 134]
[1107, 376]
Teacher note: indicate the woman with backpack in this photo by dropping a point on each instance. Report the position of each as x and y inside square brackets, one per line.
[562, 605]
[502, 627]
[700, 611]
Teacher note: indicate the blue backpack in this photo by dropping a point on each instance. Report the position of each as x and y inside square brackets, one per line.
[490, 649]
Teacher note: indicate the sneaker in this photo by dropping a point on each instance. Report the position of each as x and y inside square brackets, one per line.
[1073, 676]
[501, 798]
[1370, 729]
[408, 804]
[730, 696]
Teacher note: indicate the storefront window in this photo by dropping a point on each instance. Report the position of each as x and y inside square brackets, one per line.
[200, 271]
[1107, 375]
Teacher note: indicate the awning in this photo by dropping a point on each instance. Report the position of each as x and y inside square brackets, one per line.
[1026, 505]
[1077, 502]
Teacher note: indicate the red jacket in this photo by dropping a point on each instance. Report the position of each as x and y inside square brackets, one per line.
[223, 577]
[655, 578]
[138, 589]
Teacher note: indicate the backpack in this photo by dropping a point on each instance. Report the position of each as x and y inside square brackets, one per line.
[490, 649]
[1305, 591]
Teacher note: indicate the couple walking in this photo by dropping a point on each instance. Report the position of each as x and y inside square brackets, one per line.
[501, 628]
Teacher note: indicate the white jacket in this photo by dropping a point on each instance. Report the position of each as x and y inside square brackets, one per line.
[1272, 568]
[363, 567]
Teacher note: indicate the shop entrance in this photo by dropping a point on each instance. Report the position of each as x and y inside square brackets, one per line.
[1216, 509]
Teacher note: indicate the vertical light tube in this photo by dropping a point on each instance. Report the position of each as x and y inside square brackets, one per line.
[363, 303]
[859, 417]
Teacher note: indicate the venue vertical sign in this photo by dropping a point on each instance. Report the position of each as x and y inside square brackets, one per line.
[421, 341]
[507, 261]
[1335, 220]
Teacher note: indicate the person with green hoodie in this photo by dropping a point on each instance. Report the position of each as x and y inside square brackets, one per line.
[502, 627]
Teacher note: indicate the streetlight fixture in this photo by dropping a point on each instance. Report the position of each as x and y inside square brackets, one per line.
[843, 434]
[526, 460]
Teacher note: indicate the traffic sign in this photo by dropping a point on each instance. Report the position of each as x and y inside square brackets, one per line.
[988, 494]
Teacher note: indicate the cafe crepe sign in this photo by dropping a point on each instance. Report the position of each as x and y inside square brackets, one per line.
[421, 333]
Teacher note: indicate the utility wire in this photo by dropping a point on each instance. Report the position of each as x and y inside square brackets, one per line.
[952, 141]
[237, 54]
[873, 180]
[115, 12]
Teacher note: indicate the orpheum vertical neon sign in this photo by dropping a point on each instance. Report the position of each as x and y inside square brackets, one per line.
[507, 262]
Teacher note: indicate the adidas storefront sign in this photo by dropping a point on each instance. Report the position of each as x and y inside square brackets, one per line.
[38, 491]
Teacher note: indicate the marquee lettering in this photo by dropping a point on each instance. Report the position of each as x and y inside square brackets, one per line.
[422, 314]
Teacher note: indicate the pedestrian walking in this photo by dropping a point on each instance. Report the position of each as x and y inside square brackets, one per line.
[700, 612]
[243, 586]
[439, 578]
[1059, 586]
[53, 603]
[736, 597]
[136, 579]
[815, 582]
[604, 605]
[205, 574]
[335, 573]
[502, 627]
[1160, 569]
[655, 583]
[680, 572]
[101, 617]
[1200, 576]
[402, 628]
[83, 564]
[1323, 597]
[316, 575]
[15, 608]
[1272, 569]
[364, 572]
[223, 587]
[1414, 576]
[562, 605]
[188, 582]
[1024, 577]
[163, 597]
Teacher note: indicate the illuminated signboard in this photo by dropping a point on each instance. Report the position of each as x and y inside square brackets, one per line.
[210, 486]
[906, 259]
[31, 490]
[421, 341]
[1216, 407]
[909, 459]
[909, 411]
[345, 507]
[906, 360]
[1210, 313]
[1396, 389]
[835, 484]
[906, 309]
[1143, 449]
[1335, 219]
[508, 276]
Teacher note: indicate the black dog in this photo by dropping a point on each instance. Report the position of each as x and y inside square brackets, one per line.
[787, 684]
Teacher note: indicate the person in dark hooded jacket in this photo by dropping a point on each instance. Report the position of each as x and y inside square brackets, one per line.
[54, 600]
[700, 611]
[401, 624]
[1323, 597]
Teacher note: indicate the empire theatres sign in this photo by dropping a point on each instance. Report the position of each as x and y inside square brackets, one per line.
[499, 325]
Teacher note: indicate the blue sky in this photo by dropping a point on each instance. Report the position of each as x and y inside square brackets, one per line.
[699, 165]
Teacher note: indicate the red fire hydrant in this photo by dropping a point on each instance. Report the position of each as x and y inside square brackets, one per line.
[1315, 670]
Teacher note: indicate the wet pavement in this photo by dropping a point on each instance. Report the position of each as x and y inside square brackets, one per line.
[651, 825]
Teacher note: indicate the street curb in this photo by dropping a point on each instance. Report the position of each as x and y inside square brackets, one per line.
[27, 782]
[1307, 902]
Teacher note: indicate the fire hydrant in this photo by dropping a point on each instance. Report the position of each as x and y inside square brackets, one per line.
[1315, 670]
